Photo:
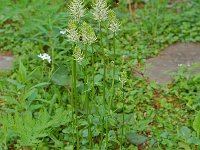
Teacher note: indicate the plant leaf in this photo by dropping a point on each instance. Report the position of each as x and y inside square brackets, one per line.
[98, 78]
[196, 123]
[135, 138]
[193, 140]
[60, 77]
[185, 132]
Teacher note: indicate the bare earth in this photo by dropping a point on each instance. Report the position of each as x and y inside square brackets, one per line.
[161, 67]
[6, 62]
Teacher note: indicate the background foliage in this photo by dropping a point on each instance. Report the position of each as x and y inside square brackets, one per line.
[36, 113]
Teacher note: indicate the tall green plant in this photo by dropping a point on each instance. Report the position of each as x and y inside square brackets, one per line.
[81, 33]
[88, 38]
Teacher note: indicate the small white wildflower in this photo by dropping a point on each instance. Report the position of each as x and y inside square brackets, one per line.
[45, 56]
[114, 24]
[72, 32]
[78, 54]
[188, 64]
[180, 65]
[63, 32]
[100, 10]
[77, 9]
[88, 34]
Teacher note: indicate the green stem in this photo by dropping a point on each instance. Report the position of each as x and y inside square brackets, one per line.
[51, 42]
[75, 102]
[85, 83]
[88, 104]
[104, 80]
[101, 37]
[73, 124]
[107, 132]
[113, 81]
[93, 69]
[102, 117]
[121, 142]
[93, 95]
[43, 67]
[110, 104]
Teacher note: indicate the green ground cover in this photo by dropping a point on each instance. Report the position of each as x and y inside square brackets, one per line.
[96, 103]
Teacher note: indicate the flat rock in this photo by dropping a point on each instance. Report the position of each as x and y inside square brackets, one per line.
[161, 67]
[5, 62]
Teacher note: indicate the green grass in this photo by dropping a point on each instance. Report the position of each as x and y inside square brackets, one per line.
[37, 110]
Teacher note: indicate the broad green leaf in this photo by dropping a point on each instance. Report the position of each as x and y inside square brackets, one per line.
[60, 77]
[39, 85]
[31, 94]
[185, 132]
[98, 78]
[196, 123]
[18, 85]
[194, 140]
[135, 138]
[8, 100]
[22, 72]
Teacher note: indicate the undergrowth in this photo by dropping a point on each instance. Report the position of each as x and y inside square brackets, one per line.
[37, 109]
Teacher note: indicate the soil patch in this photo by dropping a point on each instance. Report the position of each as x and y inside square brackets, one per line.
[161, 67]
[6, 60]
[136, 5]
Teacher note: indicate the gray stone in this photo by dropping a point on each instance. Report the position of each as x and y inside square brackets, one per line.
[6, 62]
[161, 67]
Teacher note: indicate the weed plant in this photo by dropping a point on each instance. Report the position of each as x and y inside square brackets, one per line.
[83, 95]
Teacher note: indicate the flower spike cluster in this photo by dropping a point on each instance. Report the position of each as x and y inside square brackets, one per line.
[77, 9]
[78, 54]
[72, 32]
[123, 77]
[114, 24]
[45, 56]
[88, 34]
[100, 10]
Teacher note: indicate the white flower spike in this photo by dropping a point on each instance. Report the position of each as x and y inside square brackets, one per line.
[100, 10]
[123, 77]
[78, 54]
[77, 9]
[72, 32]
[114, 24]
[88, 34]
[45, 56]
